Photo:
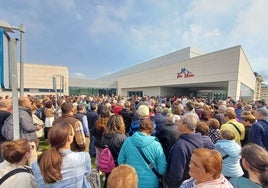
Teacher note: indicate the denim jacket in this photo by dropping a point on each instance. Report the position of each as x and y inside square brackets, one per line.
[75, 167]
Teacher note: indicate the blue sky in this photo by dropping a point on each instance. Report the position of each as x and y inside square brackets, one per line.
[98, 37]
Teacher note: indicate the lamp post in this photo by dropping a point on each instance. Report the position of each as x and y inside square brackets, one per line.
[13, 76]
[54, 83]
[4, 25]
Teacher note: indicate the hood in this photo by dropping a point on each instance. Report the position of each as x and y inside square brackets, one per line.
[194, 138]
[141, 139]
[230, 147]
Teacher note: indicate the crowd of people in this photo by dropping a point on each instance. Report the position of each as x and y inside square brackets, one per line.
[154, 141]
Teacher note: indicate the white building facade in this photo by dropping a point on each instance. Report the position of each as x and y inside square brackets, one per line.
[216, 75]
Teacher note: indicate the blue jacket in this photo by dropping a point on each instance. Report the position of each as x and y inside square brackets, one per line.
[75, 167]
[242, 182]
[179, 158]
[152, 149]
[258, 133]
[231, 164]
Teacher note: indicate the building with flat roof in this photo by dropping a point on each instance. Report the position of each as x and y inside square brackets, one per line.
[188, 71]
[38, 80]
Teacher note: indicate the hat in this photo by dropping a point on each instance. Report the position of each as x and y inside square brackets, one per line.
[143, 111]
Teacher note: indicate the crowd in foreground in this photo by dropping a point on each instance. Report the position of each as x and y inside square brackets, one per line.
[154, 142]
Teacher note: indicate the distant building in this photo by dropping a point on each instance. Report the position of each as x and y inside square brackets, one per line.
[258, 87]
[38, 80]
[264, 92]
[189, 71]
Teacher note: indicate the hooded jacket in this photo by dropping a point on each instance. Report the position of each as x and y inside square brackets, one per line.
[231, 164]
[179, 158]
[153, 151]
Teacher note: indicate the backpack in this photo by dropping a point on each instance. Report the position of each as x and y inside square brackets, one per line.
[7, 129]
[106, 160]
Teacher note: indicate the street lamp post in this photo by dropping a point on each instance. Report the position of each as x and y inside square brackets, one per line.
[54, 83]
[21, 29]
[13, 74]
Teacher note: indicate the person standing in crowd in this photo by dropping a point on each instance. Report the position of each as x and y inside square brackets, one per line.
[49, 116]
[68, 116]
[16, 154]
[247, 121]
[205, 170]
[158, 118]
[80, 114]
[202, 127]
[255, 162]
[123, 176]
[59, 166]
[169, 134]
[230, 152]
[27, 127]
[260, 103]
[258, 133]
[92, 117]
[37, 122]
[219, 114]
[127, 115]
[231, 124]
[180, 154]
[214, 131]
[5, 112]
[99, 128]
[153, 151]
[143, 113]
[189, 109]
[113, 137]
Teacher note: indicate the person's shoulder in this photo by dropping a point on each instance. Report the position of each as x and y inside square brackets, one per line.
[238, 182]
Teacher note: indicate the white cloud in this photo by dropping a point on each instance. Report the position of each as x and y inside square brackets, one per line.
[78, 75]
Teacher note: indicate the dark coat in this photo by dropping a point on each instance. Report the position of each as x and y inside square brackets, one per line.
[114, 142]
[179, 158]
[168, 136]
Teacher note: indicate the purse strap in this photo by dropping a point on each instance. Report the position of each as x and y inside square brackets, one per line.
[236, 128]
[148, 162]
[11, 173]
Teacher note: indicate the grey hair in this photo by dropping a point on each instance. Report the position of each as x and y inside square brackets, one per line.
[263, 112]
[159, 109]
[170, 118]
[190, 120]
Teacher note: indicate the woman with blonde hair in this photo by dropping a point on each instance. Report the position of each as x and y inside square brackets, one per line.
[205, 170]
[59, 166]
[16, 154]
[123, 176]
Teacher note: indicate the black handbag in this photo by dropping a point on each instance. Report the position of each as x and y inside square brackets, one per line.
[159, 176]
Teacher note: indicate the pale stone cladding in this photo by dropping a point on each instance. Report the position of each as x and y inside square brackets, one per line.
[224, 69]
[38, 78]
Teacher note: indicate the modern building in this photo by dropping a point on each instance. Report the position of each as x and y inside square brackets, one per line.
[189, 71]
[38, 80]
[264, 92]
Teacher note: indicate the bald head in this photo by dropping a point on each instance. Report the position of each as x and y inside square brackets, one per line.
[25, 102]
[5, 104]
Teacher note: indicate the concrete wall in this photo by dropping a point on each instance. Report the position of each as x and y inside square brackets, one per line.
[221, 66]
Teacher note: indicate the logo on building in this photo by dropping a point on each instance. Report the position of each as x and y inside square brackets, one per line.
[184, 73]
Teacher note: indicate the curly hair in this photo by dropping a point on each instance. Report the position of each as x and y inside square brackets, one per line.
[114, 125]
